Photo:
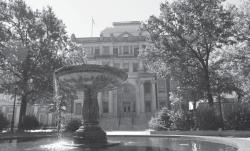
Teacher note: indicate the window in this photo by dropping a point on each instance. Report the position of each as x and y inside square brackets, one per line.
[147, 87]
[135, 67]
[143, 46]
[115, 51]
[105, 107]
[9, 117]
[105, 96]
[147, 106]
[78, 108]
[162, 104]
[105, 99]
[43, 118]
[125, 50]
[126, 67]
[136, 50]
[117, 65]
[126, 107]
[105, 63]
[97, 51]
[9, 109]
[161, 86]
[88, 50]
[105, 50]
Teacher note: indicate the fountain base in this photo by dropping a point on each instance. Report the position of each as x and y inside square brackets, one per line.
[96, 145]
[90, 134]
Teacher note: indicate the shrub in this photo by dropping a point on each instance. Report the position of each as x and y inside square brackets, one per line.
[239, 118]
[73, 125]
[30, 122]
[175, 120]
[3, 122]
[161, 121]
[181, 120]
[207, 119]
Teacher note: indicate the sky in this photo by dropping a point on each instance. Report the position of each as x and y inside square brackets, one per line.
[77, 14]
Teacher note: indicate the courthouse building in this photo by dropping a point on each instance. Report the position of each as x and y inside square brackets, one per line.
[131, 105]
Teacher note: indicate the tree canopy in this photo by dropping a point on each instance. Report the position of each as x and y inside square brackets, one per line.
[186, 34]
[32, 45]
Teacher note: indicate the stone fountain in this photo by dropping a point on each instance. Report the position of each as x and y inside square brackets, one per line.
[90, 79]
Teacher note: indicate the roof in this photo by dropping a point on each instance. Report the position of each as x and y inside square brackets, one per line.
[128, 31]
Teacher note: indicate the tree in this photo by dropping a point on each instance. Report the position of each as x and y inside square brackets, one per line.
[33, 44]
[188, 31]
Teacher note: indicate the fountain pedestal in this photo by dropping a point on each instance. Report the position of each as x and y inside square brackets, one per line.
[90, 132]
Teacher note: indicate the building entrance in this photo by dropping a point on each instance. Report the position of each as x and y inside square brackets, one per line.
[126, 98]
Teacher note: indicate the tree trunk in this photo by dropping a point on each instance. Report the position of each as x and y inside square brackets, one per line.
[208, 88]
[168, 92]
[22, 111]
[221, 114]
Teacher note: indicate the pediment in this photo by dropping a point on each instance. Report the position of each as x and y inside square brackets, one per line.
[125, 34]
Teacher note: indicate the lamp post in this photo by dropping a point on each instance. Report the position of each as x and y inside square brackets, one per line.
[13, 113]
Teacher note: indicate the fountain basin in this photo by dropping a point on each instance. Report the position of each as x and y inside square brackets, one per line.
[98, 77]
[128, 143]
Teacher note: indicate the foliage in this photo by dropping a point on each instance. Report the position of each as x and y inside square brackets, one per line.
[185, 35]
[3, 122]
[182, 121]
[169, 119]
[162, 120]
[32, 45]
[239, 118]
[73, 125]
[30, 122]
[207, 119]
[76, 56]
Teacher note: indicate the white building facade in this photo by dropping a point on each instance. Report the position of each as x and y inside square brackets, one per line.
[131, 105]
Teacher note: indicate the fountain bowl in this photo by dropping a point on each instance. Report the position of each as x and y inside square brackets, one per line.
[89, 79]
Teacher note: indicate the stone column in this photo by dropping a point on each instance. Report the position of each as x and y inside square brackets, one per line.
[17, 112]
[110, 102]
[36, 111]
[50, 119]
[138, 99]
[115, 102]
[4, 110]
[142, 106]
[153, 96]
[99, 98]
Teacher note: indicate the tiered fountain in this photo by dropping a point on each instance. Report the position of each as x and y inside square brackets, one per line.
[90, 79]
